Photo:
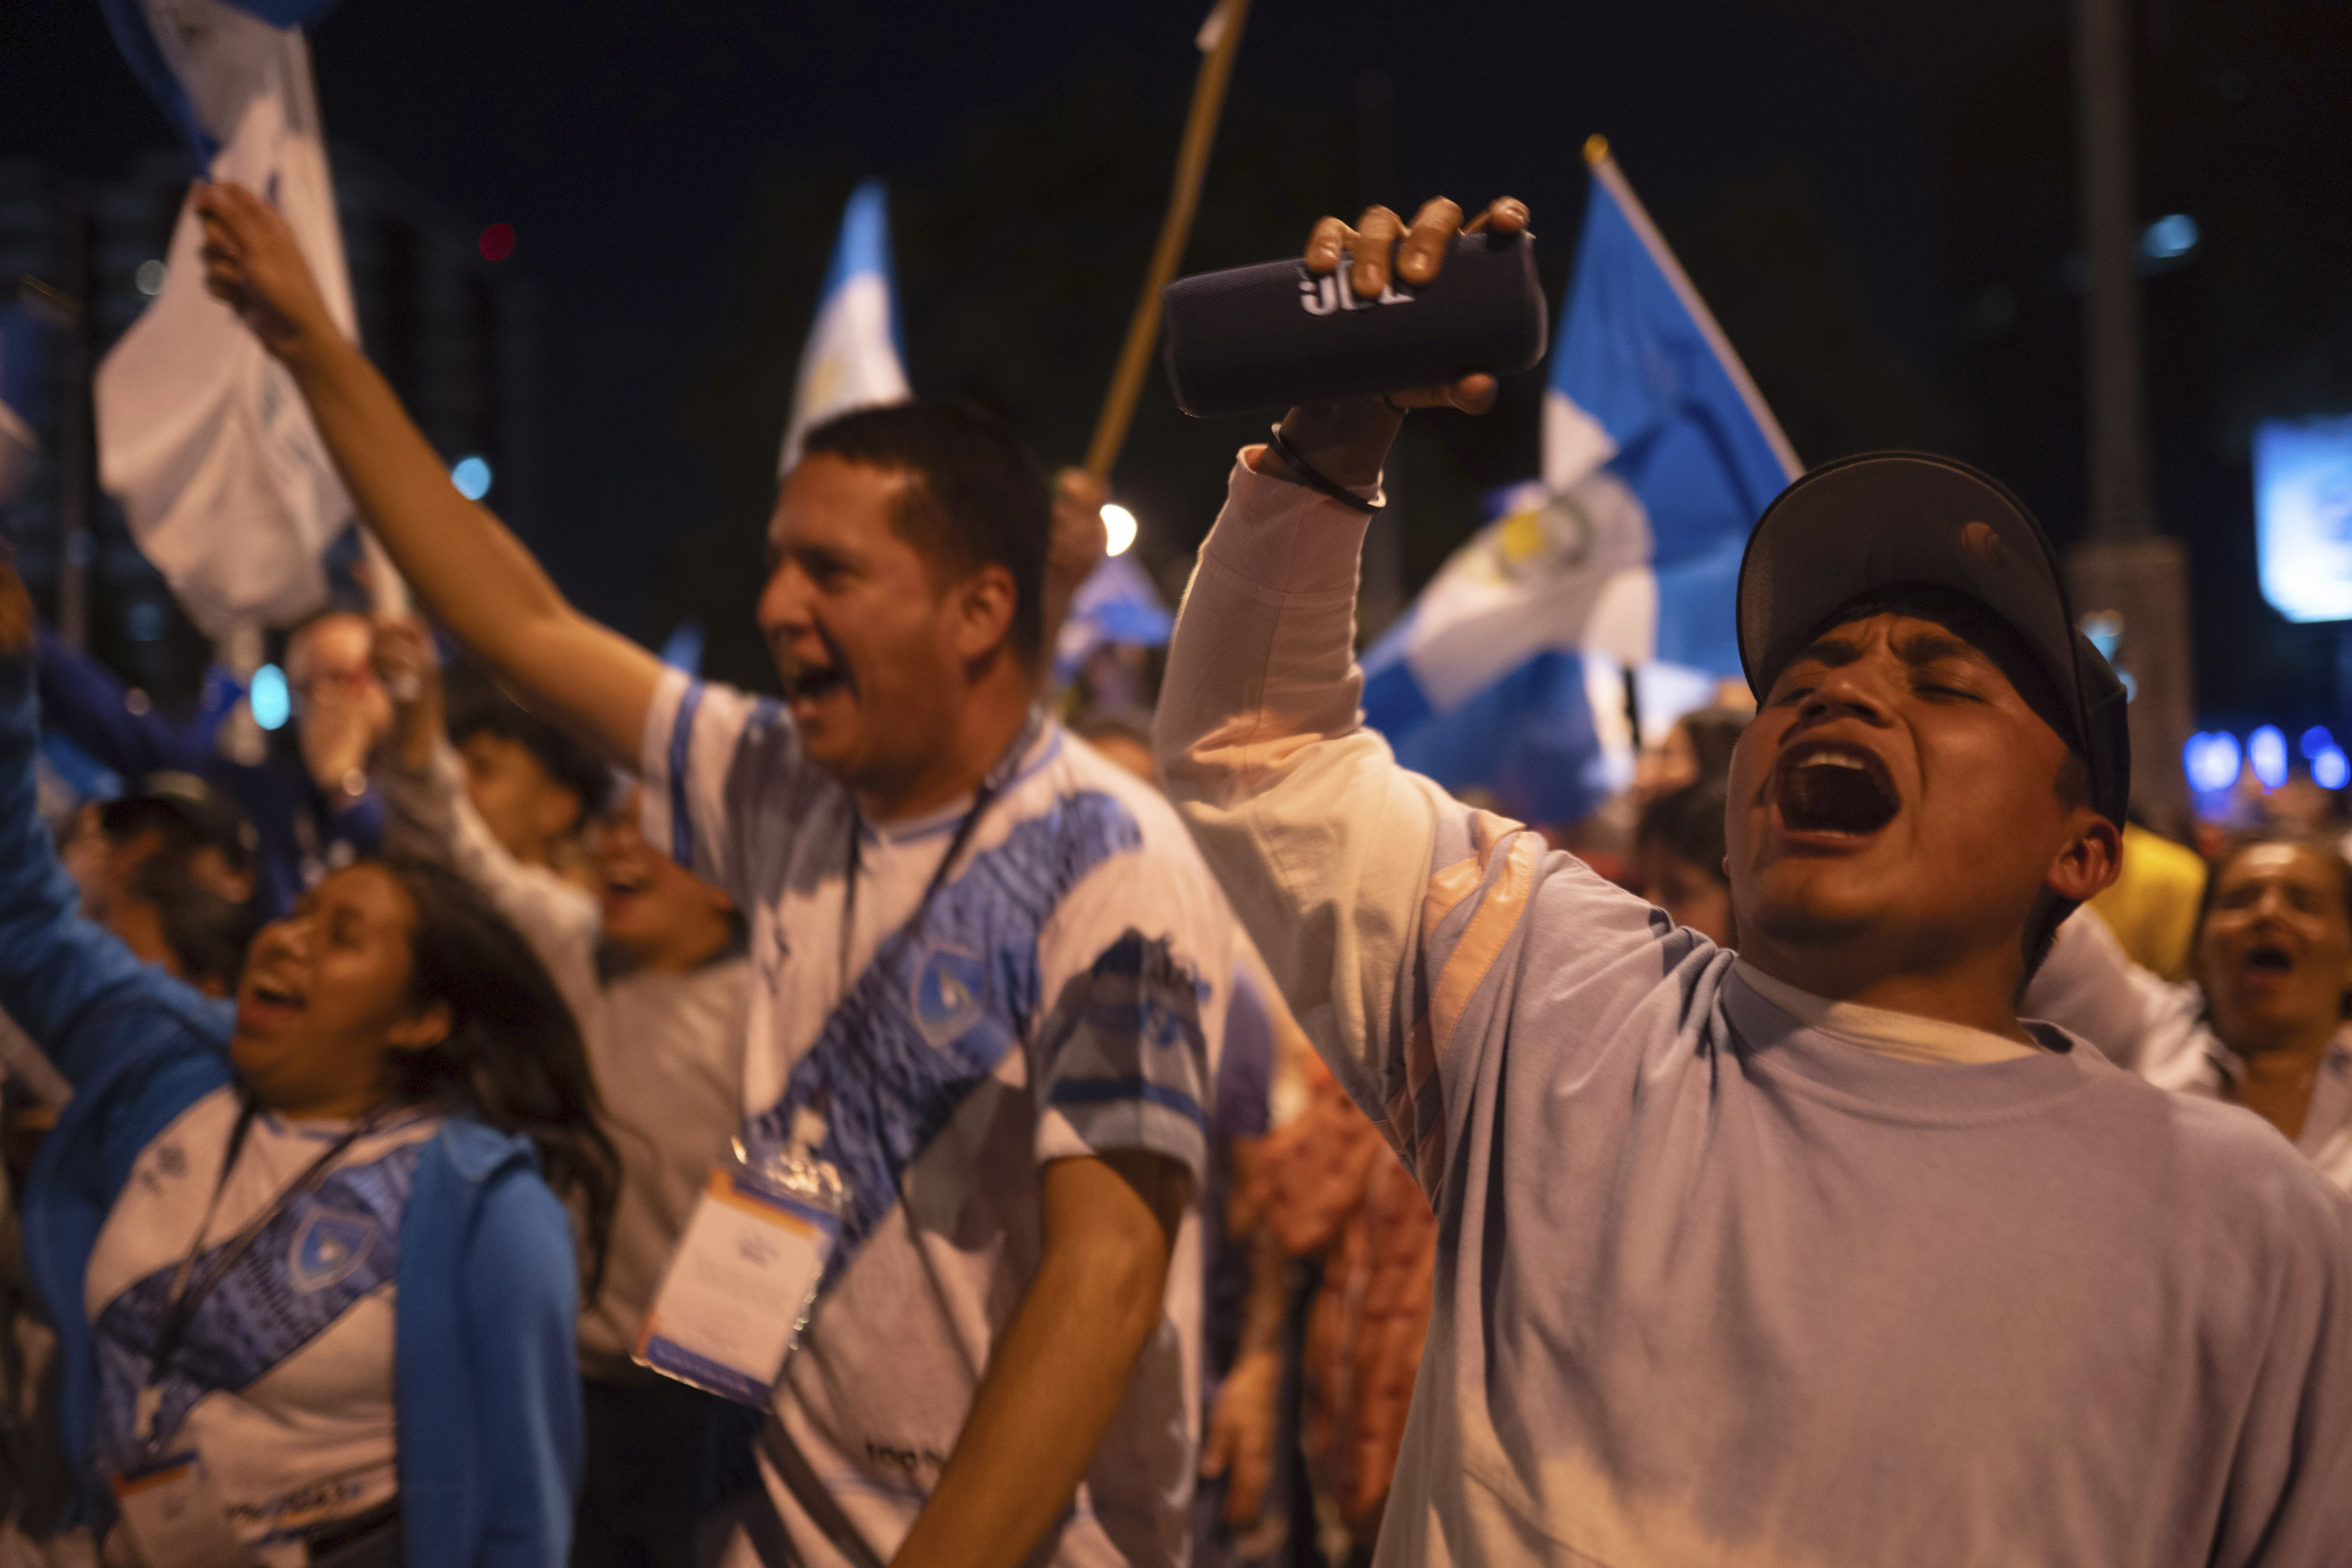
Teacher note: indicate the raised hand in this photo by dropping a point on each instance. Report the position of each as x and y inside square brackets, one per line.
[1383, 246]
[1348, 442]
[253, 264]
[411, 675]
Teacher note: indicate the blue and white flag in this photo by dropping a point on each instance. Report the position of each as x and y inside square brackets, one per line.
[855, 358]
[202, 437]
[29, 340]
[1659, 456]
[1116, 605]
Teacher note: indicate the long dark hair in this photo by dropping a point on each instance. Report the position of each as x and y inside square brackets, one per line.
[513, 1058]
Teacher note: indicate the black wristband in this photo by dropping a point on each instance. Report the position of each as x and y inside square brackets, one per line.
[1313, 478]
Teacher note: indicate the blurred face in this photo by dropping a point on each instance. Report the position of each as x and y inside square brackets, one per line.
[656, 912]
[1895, 795]
[325, 997]
[524, 808]
[1667, 767]
[876, 655]
[330, 663]
[2276, 952]
[1693, 896]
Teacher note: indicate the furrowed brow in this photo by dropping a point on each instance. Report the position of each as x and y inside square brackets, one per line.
[1831, 649]
[1931, 648]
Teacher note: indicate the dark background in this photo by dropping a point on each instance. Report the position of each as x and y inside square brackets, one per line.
[1877, 202]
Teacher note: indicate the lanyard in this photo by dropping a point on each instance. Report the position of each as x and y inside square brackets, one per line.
[994, 785]
[188, 1294]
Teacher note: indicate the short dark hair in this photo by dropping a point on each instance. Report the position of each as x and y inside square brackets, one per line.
[979, 496]
[477, 707]
[1688, 823]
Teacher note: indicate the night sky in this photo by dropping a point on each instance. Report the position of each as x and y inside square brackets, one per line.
[1877, 200]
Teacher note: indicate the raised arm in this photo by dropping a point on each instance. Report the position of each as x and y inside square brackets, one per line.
[478, 579]
[82, 699]
[1336, 858]
[53, 963]
[428, 813]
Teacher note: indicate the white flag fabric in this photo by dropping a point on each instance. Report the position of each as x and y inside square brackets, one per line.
[852, 360]
[202, 437]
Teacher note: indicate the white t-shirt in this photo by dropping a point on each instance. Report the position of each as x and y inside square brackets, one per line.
[1063, 995]
[284, 1379]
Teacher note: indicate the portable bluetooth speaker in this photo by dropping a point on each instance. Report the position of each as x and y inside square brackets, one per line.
[1271, 336]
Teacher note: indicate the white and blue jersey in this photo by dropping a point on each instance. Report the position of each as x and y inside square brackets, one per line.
[1064, 995]
[283, 1380]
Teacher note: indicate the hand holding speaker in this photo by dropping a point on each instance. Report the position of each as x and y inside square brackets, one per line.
[1360, 329]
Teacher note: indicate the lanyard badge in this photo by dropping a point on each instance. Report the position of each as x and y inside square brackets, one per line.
[738, 1289]
[176, 1518]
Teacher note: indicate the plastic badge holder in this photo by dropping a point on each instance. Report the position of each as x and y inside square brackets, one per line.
[1276, 335]
[738, 1291]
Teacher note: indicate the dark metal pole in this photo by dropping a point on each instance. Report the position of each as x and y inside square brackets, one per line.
[2115, 366]
[2132, 578]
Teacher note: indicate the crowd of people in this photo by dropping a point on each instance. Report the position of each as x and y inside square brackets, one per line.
[1850, 1148]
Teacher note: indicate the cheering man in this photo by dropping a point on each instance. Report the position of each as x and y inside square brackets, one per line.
[1816, 1254]
[988, 963]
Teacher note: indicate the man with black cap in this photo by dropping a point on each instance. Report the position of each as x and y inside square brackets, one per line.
[1816, 1254]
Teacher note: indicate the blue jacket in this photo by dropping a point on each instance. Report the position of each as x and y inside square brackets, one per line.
[81, 699]
[486, 1384]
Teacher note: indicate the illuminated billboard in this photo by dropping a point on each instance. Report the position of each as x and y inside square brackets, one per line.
[2303, 516]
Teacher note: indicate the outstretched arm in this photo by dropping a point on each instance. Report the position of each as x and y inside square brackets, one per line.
[480, 581]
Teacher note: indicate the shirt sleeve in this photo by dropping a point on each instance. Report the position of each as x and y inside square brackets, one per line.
[2089, 987]
[81, 699]
[725, 783]
[428, 813]
[1126, 1055]
[1381, 904]
[54, 966]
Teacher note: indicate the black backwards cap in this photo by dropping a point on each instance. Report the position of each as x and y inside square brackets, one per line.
[214, 818]
[1886, 520]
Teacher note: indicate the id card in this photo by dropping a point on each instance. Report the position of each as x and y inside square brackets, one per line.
[176, 1518]
[738, 1287]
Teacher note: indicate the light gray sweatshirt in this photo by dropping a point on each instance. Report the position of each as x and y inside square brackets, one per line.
[1715, 1287]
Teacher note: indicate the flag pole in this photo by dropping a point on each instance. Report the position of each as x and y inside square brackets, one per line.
[1221, 38]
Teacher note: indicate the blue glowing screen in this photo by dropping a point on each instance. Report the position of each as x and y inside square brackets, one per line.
[2303, 516]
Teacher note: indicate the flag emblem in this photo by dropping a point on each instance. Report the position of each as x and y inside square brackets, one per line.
[950, 988]
[327, 1249]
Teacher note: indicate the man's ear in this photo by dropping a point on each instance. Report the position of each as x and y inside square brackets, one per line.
[2091, 856]
[984, 606]
[421, 1031]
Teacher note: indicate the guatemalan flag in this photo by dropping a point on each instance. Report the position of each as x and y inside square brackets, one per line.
[202, 437]
[854, 357]
[1659, 456]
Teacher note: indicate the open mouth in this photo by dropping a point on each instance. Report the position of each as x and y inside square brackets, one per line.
[2268, 960]
[813, 679]
[270, 995]
[1829, 788]
[810, 683]
[267, 1003]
